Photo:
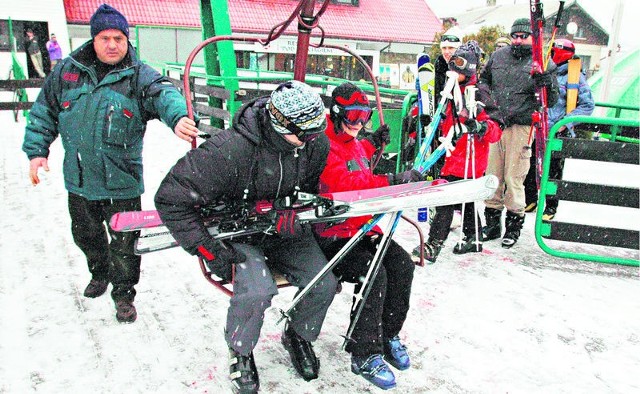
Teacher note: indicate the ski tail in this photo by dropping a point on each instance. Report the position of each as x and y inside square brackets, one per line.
[134, 220]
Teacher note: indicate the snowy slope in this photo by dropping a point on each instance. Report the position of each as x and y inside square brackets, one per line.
[501, 321]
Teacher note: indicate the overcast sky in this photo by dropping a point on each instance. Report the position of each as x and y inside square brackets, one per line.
[601, 11]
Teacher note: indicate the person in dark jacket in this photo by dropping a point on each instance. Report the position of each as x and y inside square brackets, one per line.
[485, 131]
[449, 42]
[562, 51]
[33, 49]
[98, 101]
[509, 92]
[375, 336]
[274, 149]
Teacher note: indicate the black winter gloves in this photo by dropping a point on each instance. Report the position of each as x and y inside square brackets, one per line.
[405, 177]
[381, 135]
[475, 127]
[544, 79]
[220, 257]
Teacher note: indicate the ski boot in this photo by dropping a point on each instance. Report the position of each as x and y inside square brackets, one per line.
[375, 370]
[431, 249]
[468, 245]
[493, 227]
[549, 213]
[513, 224]
[395, 353]
[243, 373]
[302, 355]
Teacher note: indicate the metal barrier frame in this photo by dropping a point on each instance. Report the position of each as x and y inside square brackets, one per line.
[543, 228]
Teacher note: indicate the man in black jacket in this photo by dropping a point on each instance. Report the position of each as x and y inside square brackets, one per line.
[506, 79]
[275, 148]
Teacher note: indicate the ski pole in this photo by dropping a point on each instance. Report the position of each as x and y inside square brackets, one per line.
[466, 171]
[330, 265]
[368, 281]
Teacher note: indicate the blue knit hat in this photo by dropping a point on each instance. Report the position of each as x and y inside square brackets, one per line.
[107, 17]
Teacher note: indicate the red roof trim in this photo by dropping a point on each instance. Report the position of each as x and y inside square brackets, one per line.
[402, 21]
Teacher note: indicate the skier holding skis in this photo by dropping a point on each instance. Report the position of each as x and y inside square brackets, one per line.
[562, 52]
[98, 100]
[274, 149]
[506, 79]
[449, 42]
[484, 131]
[375, 336]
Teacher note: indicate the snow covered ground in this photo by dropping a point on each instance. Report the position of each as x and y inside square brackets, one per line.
[515, 321]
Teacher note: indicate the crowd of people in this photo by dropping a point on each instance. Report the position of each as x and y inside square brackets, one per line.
[100, 97]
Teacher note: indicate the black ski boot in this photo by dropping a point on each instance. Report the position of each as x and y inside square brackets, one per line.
[243, 373]
[431, 249]
[302, 355]
[493, 224]
[468, 245]
[549, 213]
[513, 224]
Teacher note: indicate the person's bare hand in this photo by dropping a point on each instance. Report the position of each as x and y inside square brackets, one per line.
[34, 165]
[186, 129]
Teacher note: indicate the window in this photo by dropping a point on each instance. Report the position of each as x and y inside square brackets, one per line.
[346, 67]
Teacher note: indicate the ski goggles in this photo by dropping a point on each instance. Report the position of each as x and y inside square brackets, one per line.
[356, 114]
[458, 62]
[449, 38]
[522, 36]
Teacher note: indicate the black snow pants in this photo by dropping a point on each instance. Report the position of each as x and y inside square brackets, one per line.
[112, 261]
[386, 308]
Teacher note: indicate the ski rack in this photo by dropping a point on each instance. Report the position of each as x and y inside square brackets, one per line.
[589, 193]
[306, 23]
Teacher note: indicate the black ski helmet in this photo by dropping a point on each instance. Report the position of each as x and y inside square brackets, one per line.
[348, 99]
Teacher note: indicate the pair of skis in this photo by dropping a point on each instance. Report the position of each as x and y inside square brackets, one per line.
[425, 159]
[540, 118]
[224, 222]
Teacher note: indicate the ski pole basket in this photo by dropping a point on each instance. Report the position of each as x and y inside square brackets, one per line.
[606, 238]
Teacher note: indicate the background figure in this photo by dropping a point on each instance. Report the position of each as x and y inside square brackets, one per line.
[484, 131]
[408, 76]
[502, 42]
[98, 100]
[55, 52]
[580, 104]
[509, 92]
[449, 42]
[274, 149]
[375, 338]
[33, 49]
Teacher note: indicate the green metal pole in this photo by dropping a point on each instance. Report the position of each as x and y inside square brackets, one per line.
[220, 58]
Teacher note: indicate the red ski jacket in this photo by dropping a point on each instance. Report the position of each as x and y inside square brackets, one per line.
[347, 169]
[454, 164]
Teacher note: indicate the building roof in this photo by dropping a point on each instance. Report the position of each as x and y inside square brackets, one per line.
[503, 15]
[472, 20]
[406, 21]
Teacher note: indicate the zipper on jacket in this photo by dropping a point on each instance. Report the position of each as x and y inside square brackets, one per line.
[281, 175]
[111, 110]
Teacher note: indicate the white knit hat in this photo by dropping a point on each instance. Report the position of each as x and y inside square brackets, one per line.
[451, 38]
